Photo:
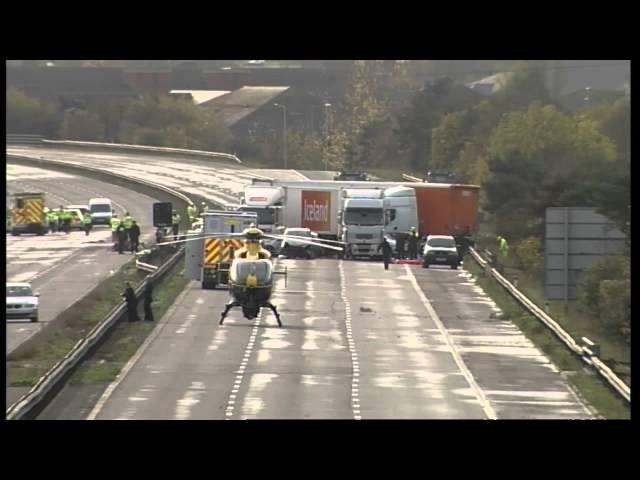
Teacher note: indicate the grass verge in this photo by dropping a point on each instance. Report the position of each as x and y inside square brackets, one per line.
[615, 351]
[105, 365]
[589, 385]
[27, 363]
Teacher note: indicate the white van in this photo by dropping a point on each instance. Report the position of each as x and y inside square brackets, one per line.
[100, 209]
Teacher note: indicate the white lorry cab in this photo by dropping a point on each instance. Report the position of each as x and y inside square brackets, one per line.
[266, 201]
[362, 221]
[100, 209]
[400, 210]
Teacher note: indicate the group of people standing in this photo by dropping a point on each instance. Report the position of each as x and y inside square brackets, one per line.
[411, 240]
[125, 231]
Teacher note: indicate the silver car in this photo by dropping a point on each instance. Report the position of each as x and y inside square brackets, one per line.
[22, 301]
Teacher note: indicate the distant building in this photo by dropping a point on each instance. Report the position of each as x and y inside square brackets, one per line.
[234, 107]
[60, 83]
[148, 81]
[586, 98]
[566, 77]
[489, 85]
[199, 97]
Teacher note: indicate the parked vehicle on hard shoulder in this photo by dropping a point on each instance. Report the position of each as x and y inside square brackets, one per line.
[22, 301]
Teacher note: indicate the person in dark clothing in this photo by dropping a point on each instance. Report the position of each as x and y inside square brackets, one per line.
[148, 299]
[132, 302]
[400, 246]
[413, 244]
[386, 252]
[463, 243]
[122, 238]
[134, 236]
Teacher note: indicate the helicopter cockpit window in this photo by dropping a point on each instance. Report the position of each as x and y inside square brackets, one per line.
[243, 268]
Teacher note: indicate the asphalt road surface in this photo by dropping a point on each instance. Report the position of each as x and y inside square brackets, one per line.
[64, 268]
[216, 181]
[358, 342]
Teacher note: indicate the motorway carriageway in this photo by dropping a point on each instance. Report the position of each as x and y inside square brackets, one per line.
[358, 342]
[64, 268]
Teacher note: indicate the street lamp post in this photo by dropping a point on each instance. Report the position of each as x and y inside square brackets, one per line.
[284, 131]
[326, 135]
[587, 99]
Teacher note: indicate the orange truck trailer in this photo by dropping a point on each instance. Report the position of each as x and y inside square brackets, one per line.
[433, 208]
[447, 209]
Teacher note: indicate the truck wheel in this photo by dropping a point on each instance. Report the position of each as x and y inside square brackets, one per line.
[454, 266]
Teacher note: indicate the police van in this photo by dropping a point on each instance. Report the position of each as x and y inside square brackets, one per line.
[100, 209]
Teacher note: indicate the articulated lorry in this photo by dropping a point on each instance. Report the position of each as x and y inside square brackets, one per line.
[433, 208]
[301, 204]
[294, 205]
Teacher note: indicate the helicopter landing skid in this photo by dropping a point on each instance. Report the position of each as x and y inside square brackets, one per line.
[275, 312]
[235, 303]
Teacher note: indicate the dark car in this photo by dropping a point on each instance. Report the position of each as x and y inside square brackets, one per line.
[352, 176]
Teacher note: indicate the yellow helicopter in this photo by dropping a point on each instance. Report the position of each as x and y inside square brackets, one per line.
[251, 273]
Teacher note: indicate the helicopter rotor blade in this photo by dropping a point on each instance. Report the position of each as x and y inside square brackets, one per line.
[309, 242]
[295, 237]
[220, 234]
[201, 237]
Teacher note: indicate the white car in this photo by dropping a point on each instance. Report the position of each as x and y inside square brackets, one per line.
[22, 301]
[440, 250]
[291, 248]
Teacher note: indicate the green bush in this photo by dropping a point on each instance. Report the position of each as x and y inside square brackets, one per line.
[605, 289]
[614, 305]
[26, 115]
[148, 136]
[529, 253]
[84, 126]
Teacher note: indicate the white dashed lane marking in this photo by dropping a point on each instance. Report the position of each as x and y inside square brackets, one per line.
[355, 364]
[243, 365]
